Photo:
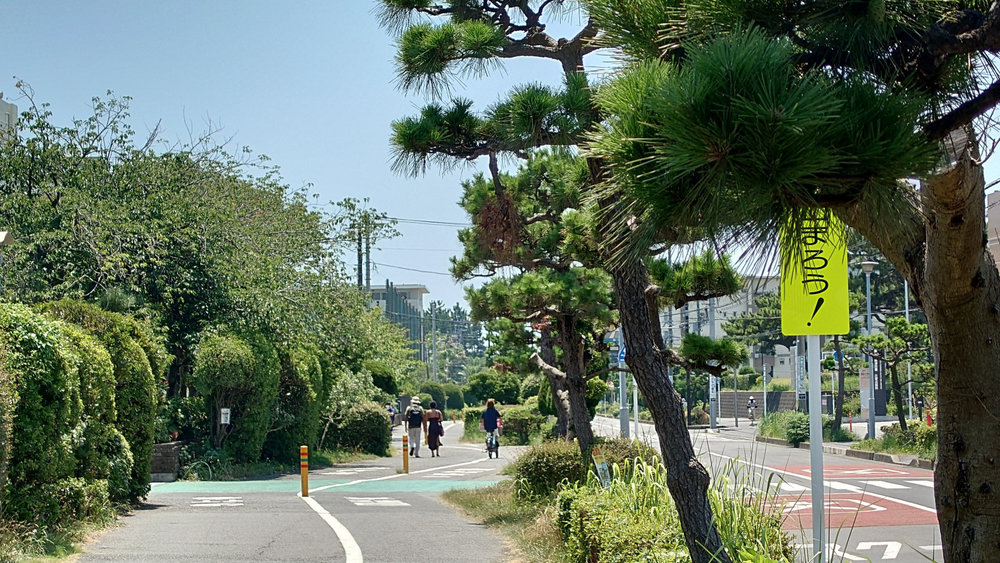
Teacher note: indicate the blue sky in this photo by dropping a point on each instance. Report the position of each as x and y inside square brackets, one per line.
[308, 83]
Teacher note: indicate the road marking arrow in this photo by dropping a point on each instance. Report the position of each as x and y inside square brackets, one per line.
[891, 548]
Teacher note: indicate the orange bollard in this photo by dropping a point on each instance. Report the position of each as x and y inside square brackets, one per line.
[304, 468]
[406, 453]
[929, 421]
[850, 421]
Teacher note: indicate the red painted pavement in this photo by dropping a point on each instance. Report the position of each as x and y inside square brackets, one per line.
[860, 471]
[847, 510]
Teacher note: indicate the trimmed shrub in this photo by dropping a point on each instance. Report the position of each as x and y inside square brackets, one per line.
[596, 388]
[520, 423]
[436, 392]
[296, 407]
[46, 394]
[504, 388]
[186, 416]
[365, 428]
[543, 469]
[455, 396]
[532, 384]
[241, 374]
[135, 387]
[471, 417]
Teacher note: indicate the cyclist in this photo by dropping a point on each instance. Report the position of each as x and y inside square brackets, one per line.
[490, 423]
[752, 409]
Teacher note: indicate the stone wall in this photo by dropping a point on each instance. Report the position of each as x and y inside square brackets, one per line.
[166, 462]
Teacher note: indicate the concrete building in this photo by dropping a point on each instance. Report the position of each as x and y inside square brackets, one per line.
[404, 306]
[8, 117]
[993, 224]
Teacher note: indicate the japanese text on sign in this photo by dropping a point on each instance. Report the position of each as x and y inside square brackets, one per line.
[814, 287]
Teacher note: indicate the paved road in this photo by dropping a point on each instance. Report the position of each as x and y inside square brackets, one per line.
[874, 511]
[364, 511]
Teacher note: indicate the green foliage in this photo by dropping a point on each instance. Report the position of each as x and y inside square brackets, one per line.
[504, 388]
[918, 439]
[187, 416]
[634, 519]
[455, 396]
[520, 423]
[133, 351]
[47, 398]
[382, 376]
[596, 388]
[241, 374]
[622, 452]
[543, 469]
[295, 420]
[792, 426]
[436, 393]
[364, 427]
[704, 275]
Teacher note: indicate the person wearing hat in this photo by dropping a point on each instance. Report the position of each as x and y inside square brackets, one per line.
[414, 419]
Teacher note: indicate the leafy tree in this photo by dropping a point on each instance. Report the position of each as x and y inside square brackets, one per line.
[901, 342]
[502, 387]
[772, 110]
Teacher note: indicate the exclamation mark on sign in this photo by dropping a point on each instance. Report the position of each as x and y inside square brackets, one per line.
[816, 310]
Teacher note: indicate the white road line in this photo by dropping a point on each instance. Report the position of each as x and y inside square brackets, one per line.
[784, 472]
[923, 483]
[396, 475]
[792, 488]
[376, 501]
[885, 485]
[351, 549]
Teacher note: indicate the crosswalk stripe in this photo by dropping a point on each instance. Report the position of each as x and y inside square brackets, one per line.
[791, 488]
[923, 483]
[885, 485]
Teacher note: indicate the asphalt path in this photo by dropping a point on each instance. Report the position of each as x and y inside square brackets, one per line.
[363, 511]
[873, 511]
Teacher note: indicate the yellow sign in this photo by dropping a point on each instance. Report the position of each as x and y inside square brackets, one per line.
[814, 288]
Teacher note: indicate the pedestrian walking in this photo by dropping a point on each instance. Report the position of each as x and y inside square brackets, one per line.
[415, 419]
[392, 414]
[435, 429]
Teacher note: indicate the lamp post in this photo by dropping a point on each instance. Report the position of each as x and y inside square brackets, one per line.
[867, 266]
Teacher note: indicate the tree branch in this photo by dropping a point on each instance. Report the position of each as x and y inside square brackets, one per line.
[963, 114]
[548, 369]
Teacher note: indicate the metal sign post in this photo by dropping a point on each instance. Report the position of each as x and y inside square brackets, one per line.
[814, 302]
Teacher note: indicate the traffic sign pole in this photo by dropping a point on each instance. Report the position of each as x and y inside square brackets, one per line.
[816, 443]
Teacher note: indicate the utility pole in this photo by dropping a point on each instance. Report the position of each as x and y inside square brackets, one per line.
[434, 342]
[368, 260]
[361, 273]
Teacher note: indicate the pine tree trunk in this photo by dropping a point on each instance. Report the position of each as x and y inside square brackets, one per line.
[571, 342]
[560, 396]
[687, 479]
[961, 293]
[897, 395]
[838, 405]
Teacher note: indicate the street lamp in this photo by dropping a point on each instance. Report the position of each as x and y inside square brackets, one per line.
[867, 266]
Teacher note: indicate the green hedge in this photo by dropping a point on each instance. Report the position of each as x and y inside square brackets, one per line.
[364, 427]
[520, 423]
[241, 374]
[46, 397]
[297, 408]
[133, 350]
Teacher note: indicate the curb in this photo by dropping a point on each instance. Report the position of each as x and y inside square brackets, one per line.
[893, 459]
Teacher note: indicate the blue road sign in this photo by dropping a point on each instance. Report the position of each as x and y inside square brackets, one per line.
[621, 354]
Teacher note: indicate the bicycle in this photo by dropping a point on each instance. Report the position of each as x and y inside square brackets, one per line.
[751, 414]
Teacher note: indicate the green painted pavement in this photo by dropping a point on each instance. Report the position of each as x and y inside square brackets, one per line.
[294, 486]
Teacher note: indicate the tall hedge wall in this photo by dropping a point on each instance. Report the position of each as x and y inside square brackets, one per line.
[135, 387]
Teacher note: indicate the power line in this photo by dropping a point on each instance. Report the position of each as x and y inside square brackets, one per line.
[411, 269]
[429, 222]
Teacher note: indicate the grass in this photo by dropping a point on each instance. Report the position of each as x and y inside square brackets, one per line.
[529, 527]
[23, 542]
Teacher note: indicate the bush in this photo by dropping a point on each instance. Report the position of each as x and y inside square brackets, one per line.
[455, 397]
[543, 469]
[136, 356]
[241, 374]
[436, 393]
[521, 423]
[45, 397]
[187, 416]
[532, 384]
[296, 407]
[624, 452]
[504, 388]
[698, 416]
[797, 428]
[364, 427]
[634, 519]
